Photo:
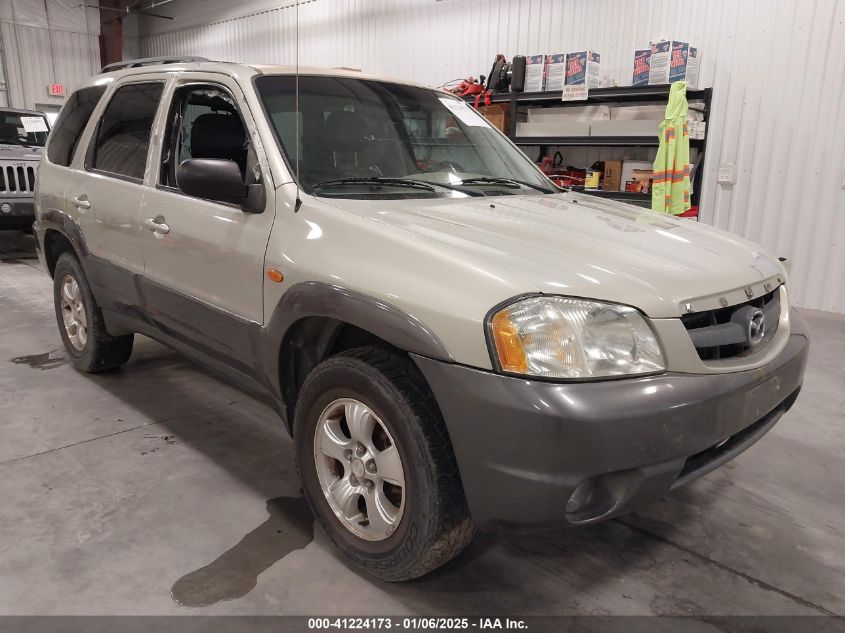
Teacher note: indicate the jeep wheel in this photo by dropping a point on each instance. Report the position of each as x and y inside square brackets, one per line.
[81, 326]
[377, 467]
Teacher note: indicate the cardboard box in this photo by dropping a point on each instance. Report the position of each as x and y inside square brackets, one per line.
[535, 73]
[640, 181]
[686, 68]
[569, 113]
[673, 61]
[634, 127]
[636, 175]
[653, 115]
[696, 129]
[638, 112]
[582, 68]
[642, 61]
[553, 128]
[555, 71]
[497, 114]
[612, 180]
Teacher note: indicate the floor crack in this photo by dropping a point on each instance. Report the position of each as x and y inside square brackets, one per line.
[749, 578]
[90, 439]
[99, 437]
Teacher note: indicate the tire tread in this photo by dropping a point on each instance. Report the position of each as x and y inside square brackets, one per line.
[449, 528]
[103, 352]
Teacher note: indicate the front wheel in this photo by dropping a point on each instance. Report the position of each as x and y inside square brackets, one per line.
[377, 466]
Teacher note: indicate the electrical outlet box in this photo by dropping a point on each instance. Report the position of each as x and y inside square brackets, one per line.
[727, 174]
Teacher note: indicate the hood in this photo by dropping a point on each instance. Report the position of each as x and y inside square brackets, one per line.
[10, 151]
[580, 245]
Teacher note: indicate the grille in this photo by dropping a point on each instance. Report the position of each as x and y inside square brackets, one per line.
[17, 179]
[716, 336]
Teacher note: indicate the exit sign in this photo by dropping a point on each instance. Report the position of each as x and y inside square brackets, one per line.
[56, 90]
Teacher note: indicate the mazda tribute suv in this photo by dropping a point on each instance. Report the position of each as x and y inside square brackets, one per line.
[454, 343]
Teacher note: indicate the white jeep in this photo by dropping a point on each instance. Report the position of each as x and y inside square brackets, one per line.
[23, 134]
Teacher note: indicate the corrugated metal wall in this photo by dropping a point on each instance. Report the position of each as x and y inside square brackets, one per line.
[45, 43]
[777, 68]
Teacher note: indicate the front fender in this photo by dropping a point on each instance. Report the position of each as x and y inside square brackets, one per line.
[319, 299]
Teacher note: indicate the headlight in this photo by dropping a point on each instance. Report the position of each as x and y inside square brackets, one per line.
[561, 337]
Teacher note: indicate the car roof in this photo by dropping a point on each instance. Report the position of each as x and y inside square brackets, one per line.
[22, 111]
[237, 70]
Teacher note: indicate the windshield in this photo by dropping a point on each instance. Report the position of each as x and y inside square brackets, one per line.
[360, 138]
[23, 129]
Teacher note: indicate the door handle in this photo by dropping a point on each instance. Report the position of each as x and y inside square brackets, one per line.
[157, 225]
[81, 202]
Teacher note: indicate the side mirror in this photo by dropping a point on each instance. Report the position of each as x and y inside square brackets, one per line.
[216, 179]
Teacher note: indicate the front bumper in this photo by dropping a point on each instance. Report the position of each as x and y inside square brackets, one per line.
[20, 215]
[524, 446]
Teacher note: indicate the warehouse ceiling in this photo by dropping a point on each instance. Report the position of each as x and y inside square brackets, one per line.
[112, 14]
[115, 10]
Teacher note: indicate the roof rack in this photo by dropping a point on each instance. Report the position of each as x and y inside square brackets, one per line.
[150, 61]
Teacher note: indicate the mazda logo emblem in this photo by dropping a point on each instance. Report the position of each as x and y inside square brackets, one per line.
[756, 327]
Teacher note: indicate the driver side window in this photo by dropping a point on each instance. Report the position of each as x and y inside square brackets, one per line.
[204, 122]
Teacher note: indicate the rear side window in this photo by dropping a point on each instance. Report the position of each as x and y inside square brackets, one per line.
[71, 122]
[123, 136]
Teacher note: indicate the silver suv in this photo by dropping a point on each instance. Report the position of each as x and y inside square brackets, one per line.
[454, 343]
[23, 134]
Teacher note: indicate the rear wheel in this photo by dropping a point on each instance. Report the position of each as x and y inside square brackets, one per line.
[90, 347]
[377, 467]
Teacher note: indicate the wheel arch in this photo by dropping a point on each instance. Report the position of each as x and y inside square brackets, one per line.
[55, 244]
[61, 234]
[315, 320]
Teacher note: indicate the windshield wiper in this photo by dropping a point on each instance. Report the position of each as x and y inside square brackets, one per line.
[464, 190]
[375, 181]
[510, 183]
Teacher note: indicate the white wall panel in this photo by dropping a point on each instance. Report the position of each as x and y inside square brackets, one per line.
[45, 43]
[66, 16]
[777, 68]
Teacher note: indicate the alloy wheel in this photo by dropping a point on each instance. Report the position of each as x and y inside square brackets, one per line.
[359, 469]
[73, 313]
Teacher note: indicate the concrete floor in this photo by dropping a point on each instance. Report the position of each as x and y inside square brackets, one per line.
[118, 490]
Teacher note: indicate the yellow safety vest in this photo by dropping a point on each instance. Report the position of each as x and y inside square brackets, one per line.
[671, 190]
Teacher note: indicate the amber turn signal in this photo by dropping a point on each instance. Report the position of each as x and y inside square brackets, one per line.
[508, 344]
[275, 275]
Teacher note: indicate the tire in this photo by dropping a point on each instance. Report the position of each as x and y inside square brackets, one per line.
[97, 351]
[433, 525]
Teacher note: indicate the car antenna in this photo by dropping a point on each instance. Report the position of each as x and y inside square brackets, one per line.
[298, 202]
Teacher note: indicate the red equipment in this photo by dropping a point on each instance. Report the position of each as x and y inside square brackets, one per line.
[467, 87]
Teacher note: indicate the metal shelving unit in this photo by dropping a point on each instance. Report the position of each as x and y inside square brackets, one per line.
[596, 141]
[605, 96]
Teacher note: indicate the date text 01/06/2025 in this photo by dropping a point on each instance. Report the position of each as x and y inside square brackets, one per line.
[415, 623]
